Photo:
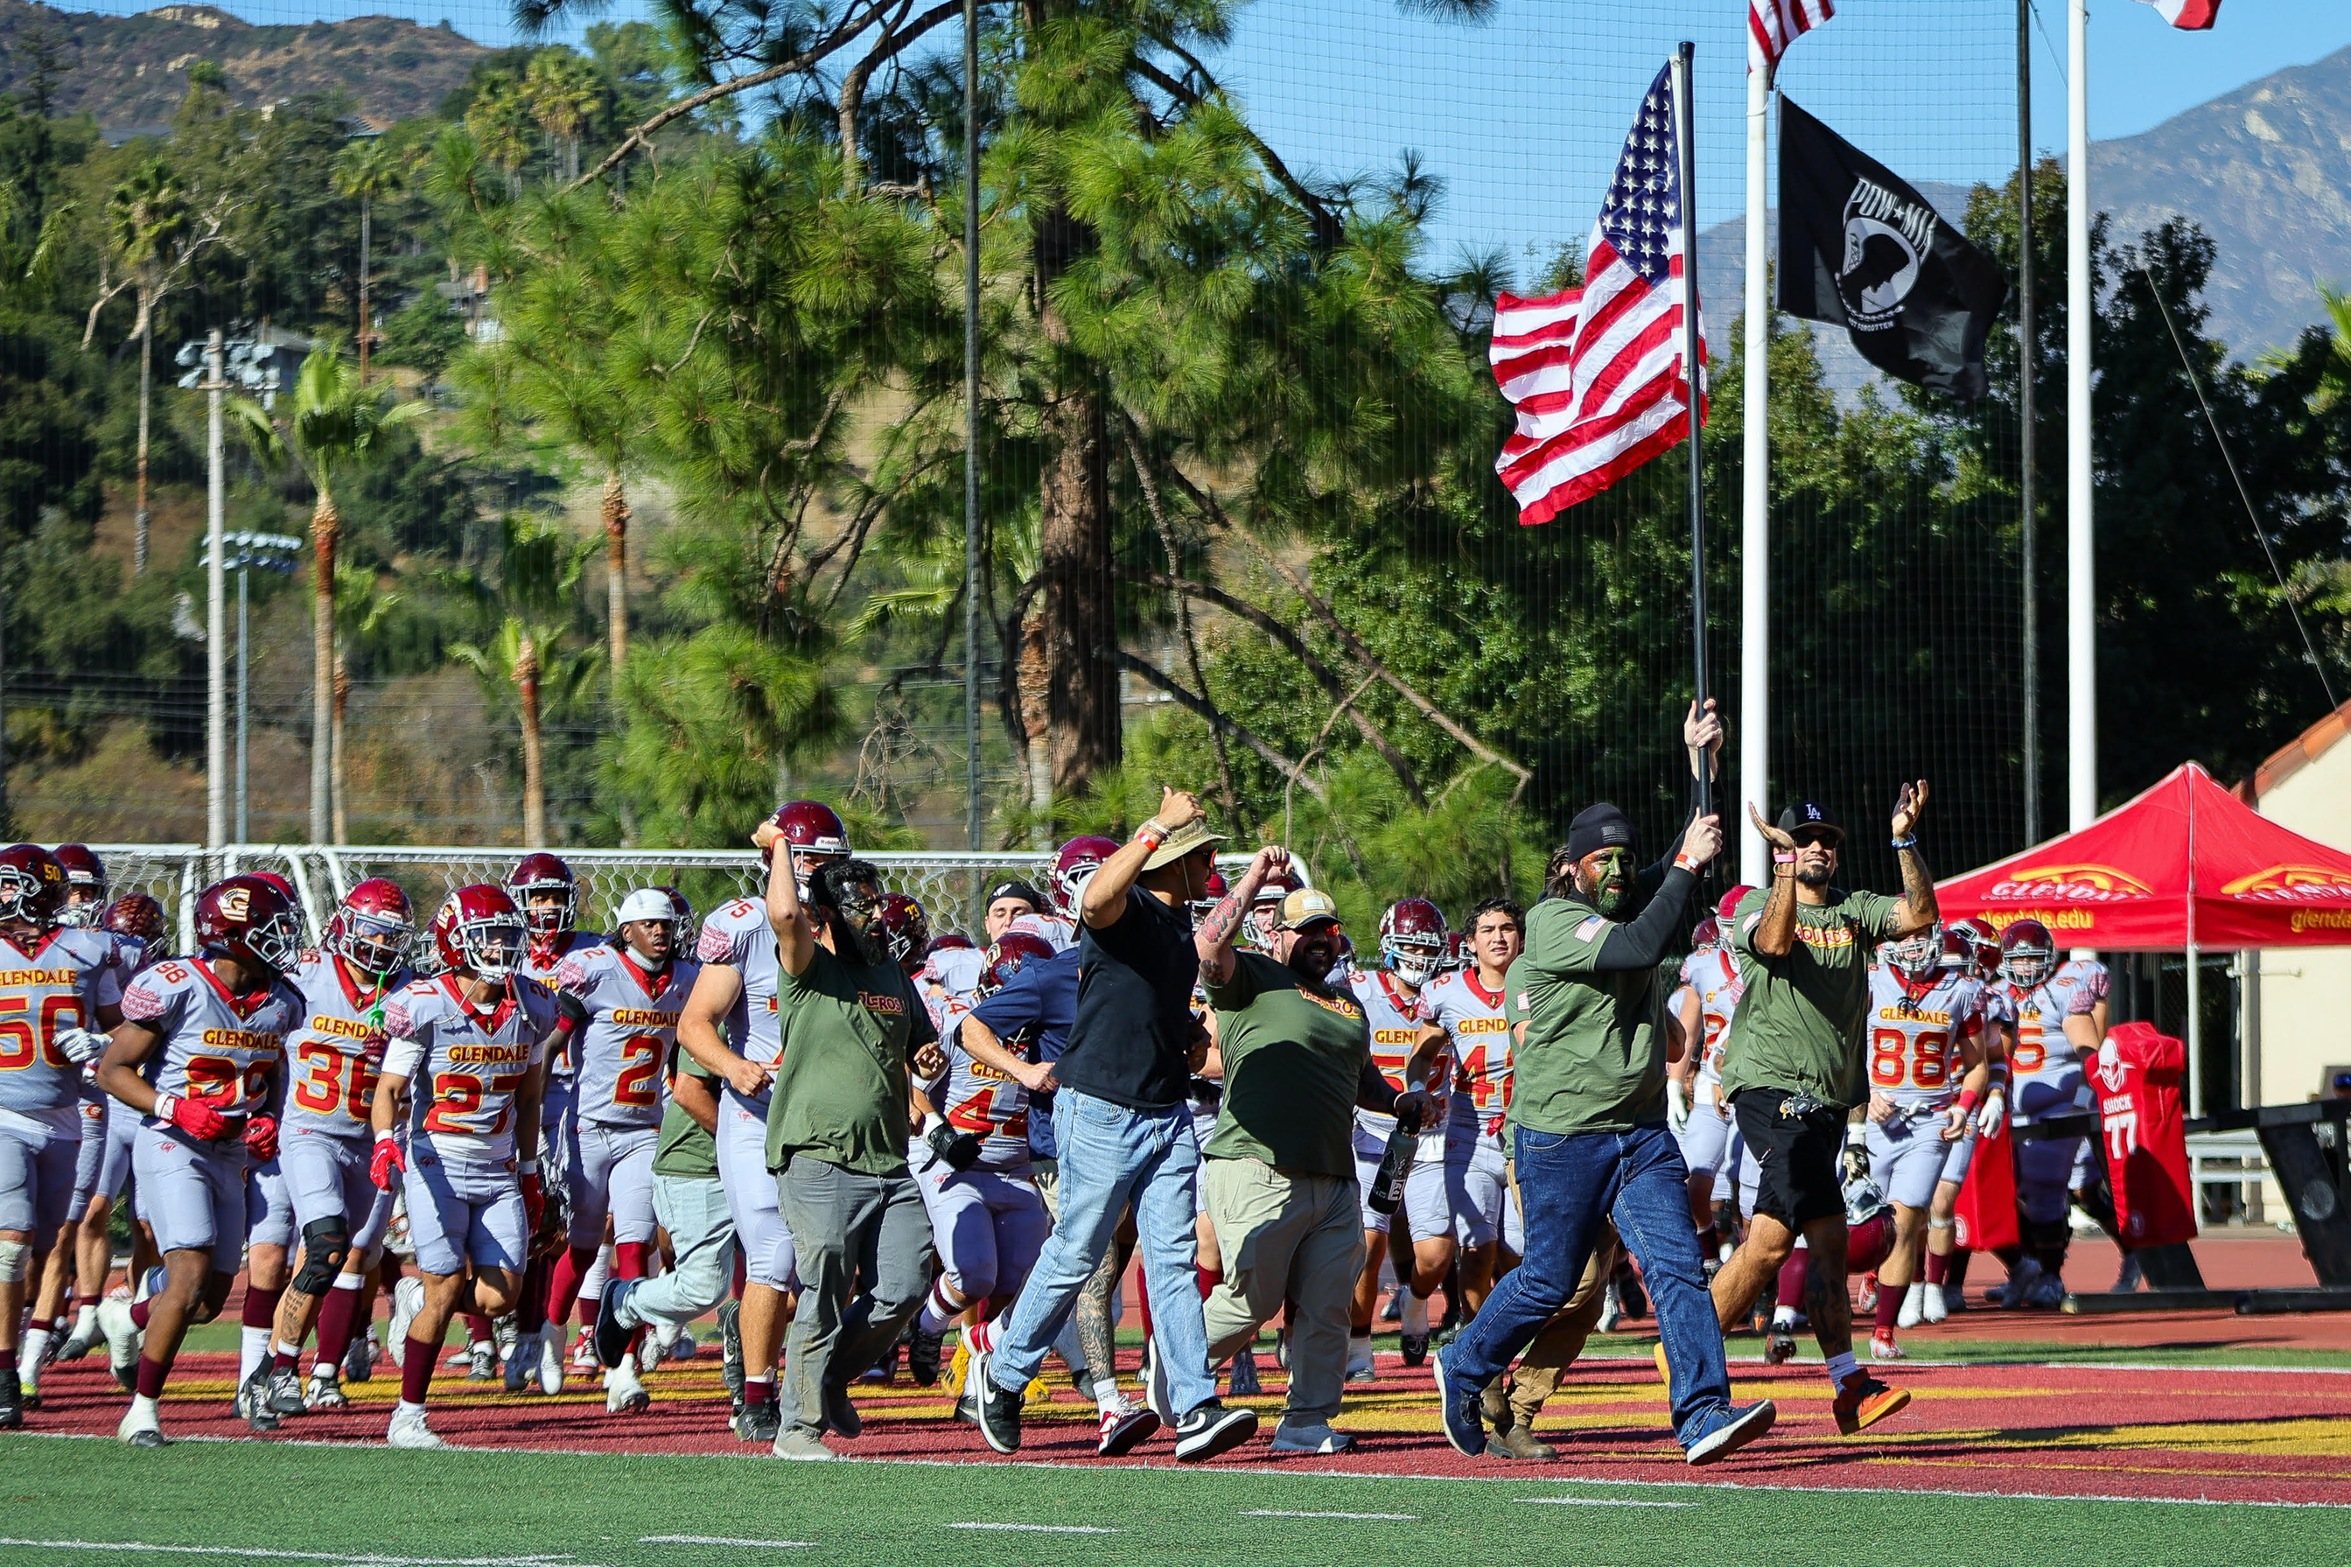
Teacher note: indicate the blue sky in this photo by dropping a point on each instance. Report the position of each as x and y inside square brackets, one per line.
[1522, 116]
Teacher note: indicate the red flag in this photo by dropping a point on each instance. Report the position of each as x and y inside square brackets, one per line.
[2192, 15]
[1772, 25]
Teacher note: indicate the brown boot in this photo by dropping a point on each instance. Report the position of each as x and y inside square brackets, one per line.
[1495, 1402]
[1521, 1443]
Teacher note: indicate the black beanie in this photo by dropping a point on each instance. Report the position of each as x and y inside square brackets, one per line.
[1598, 827]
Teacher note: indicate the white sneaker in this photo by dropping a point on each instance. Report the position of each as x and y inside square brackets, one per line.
[623, 1393]
[1317, 1437]
[1611, 1311]
[407, 1301]
[1359, 1361]
[140, 1427]
[122, 1341]
[550, 1359]
[409, 1430]
[1914, 1307]
[649, 1356]
[1933, 1308]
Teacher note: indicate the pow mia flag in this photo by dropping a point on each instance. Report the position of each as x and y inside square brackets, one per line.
[1859, 248]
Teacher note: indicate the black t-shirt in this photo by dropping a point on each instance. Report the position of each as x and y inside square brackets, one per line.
[1132, 1043]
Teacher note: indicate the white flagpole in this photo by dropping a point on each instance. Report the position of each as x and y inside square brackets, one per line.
[2081, 652]
[1754, 713]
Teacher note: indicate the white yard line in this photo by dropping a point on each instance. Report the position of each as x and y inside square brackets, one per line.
[1278, 1512]
[1038, 1528]
[258, 1553]
[1597, 1501]
[720, 1539]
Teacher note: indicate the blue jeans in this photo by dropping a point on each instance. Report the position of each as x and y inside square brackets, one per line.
[1565, 1184]
[1112, 1156]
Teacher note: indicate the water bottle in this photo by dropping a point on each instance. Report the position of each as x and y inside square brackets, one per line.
[1387, 1182]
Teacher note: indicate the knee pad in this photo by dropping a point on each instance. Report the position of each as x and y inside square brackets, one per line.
[326, 1243]
[13, 1257]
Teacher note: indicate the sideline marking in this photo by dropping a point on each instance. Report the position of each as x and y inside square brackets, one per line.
[720, 1539]
[1038, 1528]
[260, 1553]
[1596, 1501]
[1277, 1512]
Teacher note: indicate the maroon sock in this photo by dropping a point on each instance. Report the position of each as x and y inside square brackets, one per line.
[151, 1375]
[1210, 1278]
[1938, 1267]
[261, 1307]
[477, 1328]
[563, 1280]
[1889, 1306]
[416, 1369]
[286, 1360]
[530, 1313]
[1792, 1274]
[139, 1314]
[759, 1390]
[337, 1314]
[1709, 1243]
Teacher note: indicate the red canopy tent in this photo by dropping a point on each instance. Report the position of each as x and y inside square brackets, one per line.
[2185, 865]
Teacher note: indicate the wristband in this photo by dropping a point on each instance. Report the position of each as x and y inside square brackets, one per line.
[164, 1105]
[1682, 862]
[1968, 1100]
[386, 1137]
[1783, 856]
[527, 1167]
[1909, 842]
[1151, 835]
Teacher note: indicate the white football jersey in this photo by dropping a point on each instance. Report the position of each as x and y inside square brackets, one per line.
[466, 1069]
[1396, 1015]
[55, 981]
[1712, 973]
[1472, 1014]
[738, 935]
[1914, 1040]
[622, 1052]
[224, 1049]
[338, 1051]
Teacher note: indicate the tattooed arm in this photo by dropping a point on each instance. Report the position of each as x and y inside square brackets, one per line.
[1919, 910]
[1213, 940]
[1777, 931]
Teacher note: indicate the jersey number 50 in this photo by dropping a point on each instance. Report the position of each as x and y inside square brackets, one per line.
[21, 1039]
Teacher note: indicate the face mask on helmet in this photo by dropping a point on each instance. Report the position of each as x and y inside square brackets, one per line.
[376, 944]
[24, 898]
[2026, 966]
[492, 946]
[1917, 959]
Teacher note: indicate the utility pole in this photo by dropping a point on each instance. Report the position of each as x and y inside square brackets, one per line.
[2081, 561]
[2028, 346]
[216, 736]
[971, 420]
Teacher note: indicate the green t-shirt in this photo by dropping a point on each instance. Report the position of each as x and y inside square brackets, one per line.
[1798, 1026]
[683, 1148]
[840, 1086]
[1594, 1056]
[1293, 1064]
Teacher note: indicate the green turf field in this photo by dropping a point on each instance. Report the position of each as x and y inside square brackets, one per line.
[227, 1502]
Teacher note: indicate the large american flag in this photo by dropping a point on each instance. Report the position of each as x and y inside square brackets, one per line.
[1772, 25]
[1596, 373]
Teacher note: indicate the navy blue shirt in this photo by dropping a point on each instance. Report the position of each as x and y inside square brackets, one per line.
[1132, 1043]
[1038, 1003]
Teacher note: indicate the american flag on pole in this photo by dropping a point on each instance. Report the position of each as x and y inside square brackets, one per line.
[1772, 25]
[1596, 373]
[2192, 15]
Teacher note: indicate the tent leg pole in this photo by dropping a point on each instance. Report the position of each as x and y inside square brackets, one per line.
[2195, 1034]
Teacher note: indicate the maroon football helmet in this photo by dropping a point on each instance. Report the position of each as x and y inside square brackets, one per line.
[1984, 942]
[85, 885]
[1212, 894]
[947, 941]
[1079, 858]
[137, 916]
[2027, 953]
[1705, 934]
[815, 834]
[1728, 904]
[249, 919]
[1005, 957]
[1412, 941]
[479, 929]
[906, 930]
[32, 886]
[547, 893]
[374, 928]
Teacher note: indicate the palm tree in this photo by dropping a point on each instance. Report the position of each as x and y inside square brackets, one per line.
[366, 170]
[564, 95]
[539, 569]
[2334, 377]
[333, 424]
[501, 127]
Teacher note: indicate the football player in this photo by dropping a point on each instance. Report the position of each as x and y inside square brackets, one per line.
[1008, 901]
[464, 1071]
[54, 983]
[1409, 1051]
[2056, 1033]
[325, 1143]
[103, 1173]
[85, 886]
[736, 992]
[1704, 1006]
[1467, 1005]
[623, 1001]
[200, 1054]
[1928, 1073]
[1975, 952]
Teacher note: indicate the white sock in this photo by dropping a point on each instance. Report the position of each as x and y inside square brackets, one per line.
[1358, 1349]
[85, 1321]
[28, 1360]
[592, 1281]
[1107, 1396]
[1416, 1314]
[281, 1347]
[1783, 1316]
[404, 1407]
[252, 1350]
[1841, 1367]
[143, 1407]
[936, 1318]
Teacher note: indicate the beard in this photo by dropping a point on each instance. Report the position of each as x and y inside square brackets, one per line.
[1815, 878]
[1313, 959]
[860, 943]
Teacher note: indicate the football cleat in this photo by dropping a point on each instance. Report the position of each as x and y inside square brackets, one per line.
[481, 1362]
[922, 1356]
[550, 1358]
[11, 1401]
[1780, 1348]
[1360, 1366]
[1863, 1401]
[1611, 1312]
[1124, 1428]
[623, 1393]
[1393, 1312]
[408, 1429]
[1935, 1305]
[140, 1427]
[325, 1390]
[1883, 1347]
[730, 1344]
[359, 1361]
[285, 1392]
[649, 1356]
[1866, 1301]
[1914, 1306]
[1244, 1383]
[758, 1422]
[609, 1343]
[407, 1301]
[681, 1344]
[71, 1348]
[583, 1352]
[1416, 1347]
[522, 1363]
[122, 1344]
[253, 1401]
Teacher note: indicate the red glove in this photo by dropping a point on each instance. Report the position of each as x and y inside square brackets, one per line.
[534, 1199]
[389, 1162]
[192, 1116]
[261, 1137]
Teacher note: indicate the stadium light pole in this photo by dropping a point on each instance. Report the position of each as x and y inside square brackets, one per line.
[971, 420]
[216, 737]
[1755, 500]
[2081, 653]
[2028, 345]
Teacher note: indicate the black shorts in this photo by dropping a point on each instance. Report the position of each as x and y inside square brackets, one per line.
[1800, 1156]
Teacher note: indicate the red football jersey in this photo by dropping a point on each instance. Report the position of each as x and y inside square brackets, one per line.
[2136, 1077]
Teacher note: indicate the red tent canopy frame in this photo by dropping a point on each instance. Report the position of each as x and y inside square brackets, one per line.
[2185, 865]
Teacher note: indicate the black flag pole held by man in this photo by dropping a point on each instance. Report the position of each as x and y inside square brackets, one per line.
[1860, 248]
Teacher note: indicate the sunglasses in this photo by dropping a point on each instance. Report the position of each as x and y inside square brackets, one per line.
[1820, 837]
